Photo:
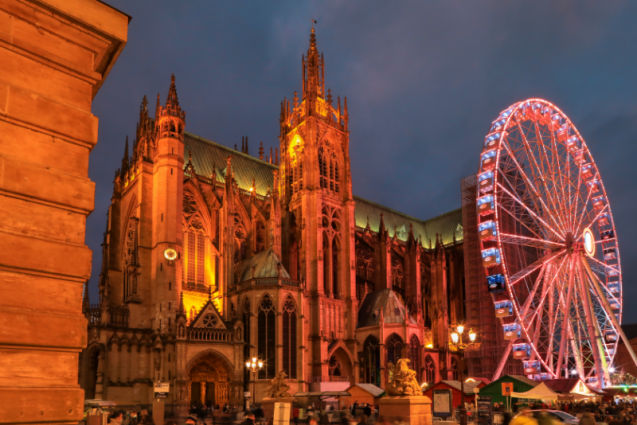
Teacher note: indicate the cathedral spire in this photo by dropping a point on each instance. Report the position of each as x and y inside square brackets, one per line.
[172, 102]
[313, 72]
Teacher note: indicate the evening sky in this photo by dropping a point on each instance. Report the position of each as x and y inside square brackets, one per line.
[424, 80]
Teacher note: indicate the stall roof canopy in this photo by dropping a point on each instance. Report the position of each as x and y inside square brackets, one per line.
[456, 385]
[323, 394]
[370, 388]
[539, 392]
[570, 386]
[494, 389]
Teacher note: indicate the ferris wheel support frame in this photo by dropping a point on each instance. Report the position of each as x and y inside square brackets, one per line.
[613, 318]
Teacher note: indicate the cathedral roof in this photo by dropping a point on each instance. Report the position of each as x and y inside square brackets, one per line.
[265, 264]
[448, 225]
[385, 301]
[209, 157]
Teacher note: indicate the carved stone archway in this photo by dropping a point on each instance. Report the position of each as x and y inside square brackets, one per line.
[209, 378]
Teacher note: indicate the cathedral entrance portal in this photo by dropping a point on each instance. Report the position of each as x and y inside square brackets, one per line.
[209, 381]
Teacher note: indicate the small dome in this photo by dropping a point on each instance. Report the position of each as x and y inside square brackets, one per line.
[265, 264]
[385, 300]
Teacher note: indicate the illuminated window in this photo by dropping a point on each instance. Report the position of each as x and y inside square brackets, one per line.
[289, 337]
[266, 337]
[196, 249]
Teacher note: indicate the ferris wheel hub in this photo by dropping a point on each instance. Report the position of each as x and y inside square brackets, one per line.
[569, 242]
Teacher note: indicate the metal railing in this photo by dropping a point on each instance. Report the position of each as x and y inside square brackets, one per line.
[118, 316]
[209, 335]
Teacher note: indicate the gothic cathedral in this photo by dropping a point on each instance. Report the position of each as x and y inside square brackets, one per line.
[212, 256]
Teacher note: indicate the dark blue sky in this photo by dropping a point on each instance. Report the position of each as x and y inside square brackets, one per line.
[424, 80]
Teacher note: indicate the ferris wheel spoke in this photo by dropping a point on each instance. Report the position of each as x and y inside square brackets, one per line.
[523, 273]
[589, 223]
[553, 174]
[594, 275]
[565, 307]
[540, 281]
[538, 172]
[531, 212]
[533, 204]
[519, 221]
[534, 167]
[604, 265]
[530, 185]
[585, 211]
[593, 331]
[528, 241]
[539, 178]
[535, 309]
[531, 297]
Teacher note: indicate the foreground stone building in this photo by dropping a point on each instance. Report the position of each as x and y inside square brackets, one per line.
[54, 56]
[212, 256]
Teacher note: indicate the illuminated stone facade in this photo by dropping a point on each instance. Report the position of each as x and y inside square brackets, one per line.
[212, 257]
[54, 56]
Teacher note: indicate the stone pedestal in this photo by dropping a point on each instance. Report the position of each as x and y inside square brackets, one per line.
[414, 410]
[268, 405]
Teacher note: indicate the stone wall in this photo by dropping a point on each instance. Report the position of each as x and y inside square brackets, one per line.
[54, 55]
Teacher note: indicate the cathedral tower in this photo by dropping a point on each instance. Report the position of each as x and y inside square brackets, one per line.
[317, 206]
[167, 234]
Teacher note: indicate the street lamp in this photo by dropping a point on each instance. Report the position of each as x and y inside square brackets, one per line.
[458, 343]
[254, 366]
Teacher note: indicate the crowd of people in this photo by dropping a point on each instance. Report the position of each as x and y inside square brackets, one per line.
[589, 413]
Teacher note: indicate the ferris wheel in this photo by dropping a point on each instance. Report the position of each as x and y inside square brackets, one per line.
[549, 247]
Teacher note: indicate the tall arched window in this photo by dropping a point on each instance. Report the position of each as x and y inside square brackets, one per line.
[370, 361]
[289, 337]
[326, 264]
[266, 337]
[430, 370]
[195, 254]
[130, 259]
[322, 168]
[414, 355]
[335, 263]
[394, 346]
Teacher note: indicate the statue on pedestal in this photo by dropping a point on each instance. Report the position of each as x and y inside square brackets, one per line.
[402, 380]
[278, 387]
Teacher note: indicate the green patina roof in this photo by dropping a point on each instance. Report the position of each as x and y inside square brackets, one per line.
[447, 225]
[385, 301]
[209, 157]
[265, 264]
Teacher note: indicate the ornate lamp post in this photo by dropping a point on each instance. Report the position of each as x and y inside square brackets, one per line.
[254, 366]
[459, 343]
